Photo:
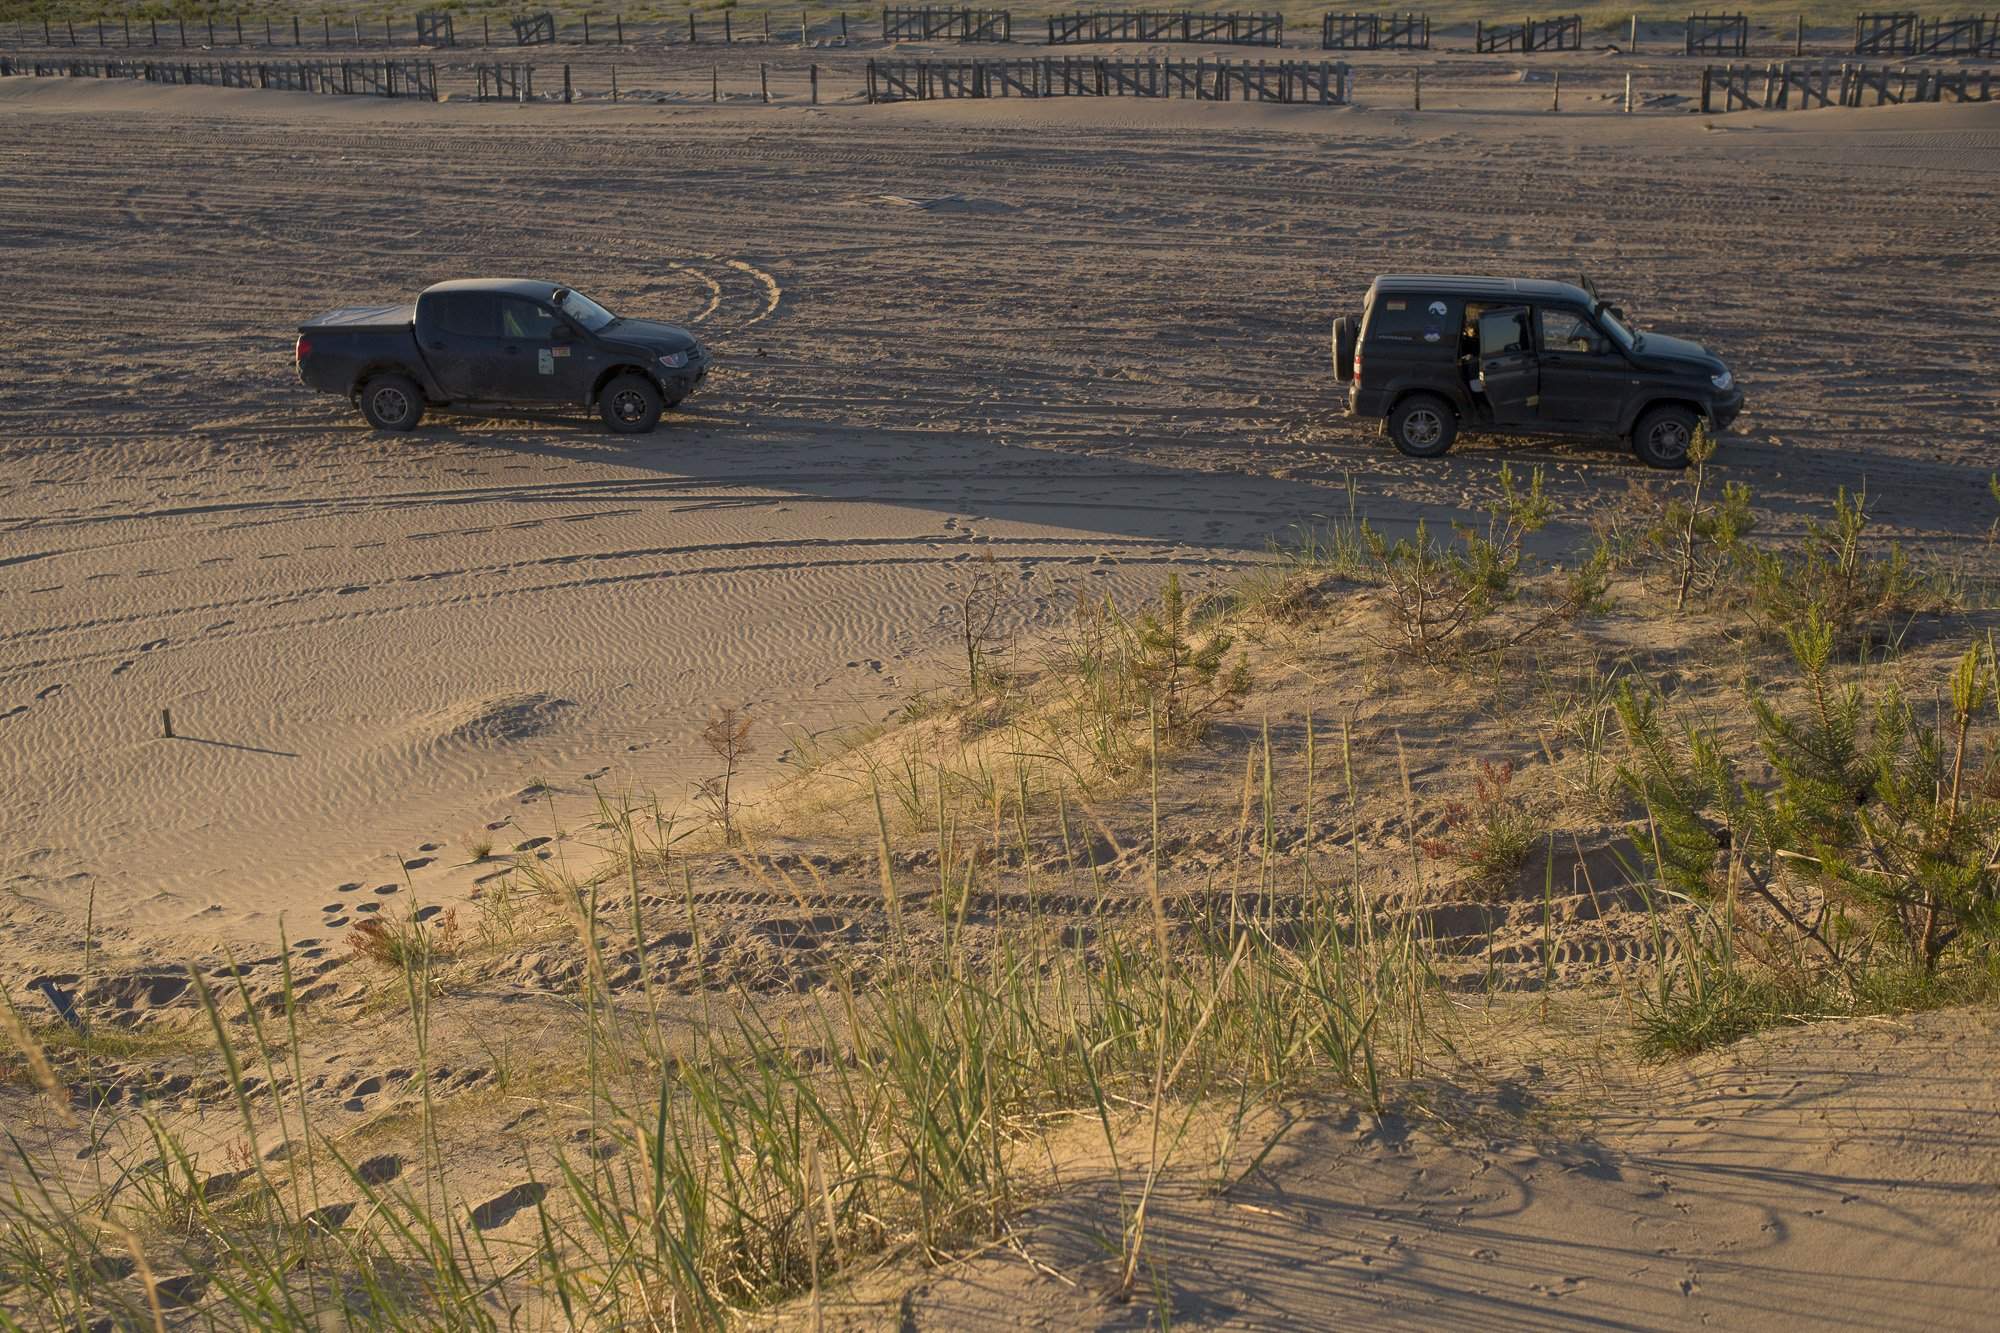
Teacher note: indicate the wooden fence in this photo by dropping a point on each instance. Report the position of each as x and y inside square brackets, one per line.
[1885, 34]
[1167, 25]
[1800, 85]
[956, 25]
[1967, 35]
[1717, 34]
[354, 78]
[1314, 82]
[1530, 35]
[1375, 32]
[436, 30]
[505, 83]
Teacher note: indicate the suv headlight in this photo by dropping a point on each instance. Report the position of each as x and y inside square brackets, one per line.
[674, 360]
[1722, 379]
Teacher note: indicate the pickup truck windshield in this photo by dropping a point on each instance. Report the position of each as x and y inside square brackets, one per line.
[1612, 325]
[584, 310]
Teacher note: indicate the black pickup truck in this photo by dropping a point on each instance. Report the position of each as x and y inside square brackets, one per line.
[510, 341]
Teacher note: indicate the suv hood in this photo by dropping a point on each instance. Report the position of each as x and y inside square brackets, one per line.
[1669, 353]
[652, 336]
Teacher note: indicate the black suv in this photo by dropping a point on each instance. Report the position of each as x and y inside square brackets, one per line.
[1434, 355]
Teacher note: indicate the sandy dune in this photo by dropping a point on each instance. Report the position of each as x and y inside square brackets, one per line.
[1083, 340]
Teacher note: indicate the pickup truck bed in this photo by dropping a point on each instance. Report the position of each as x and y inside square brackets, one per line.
[371, 317]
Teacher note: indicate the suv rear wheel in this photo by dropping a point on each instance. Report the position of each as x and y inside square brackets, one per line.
[1423, 426]
[1662, 436]
[392, 402]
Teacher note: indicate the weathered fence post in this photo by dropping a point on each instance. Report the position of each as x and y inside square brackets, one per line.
[764, 82]
[691, 36]
[566, 88]
[767, 27]
[843, 27]
[728, 32]
[1416, 90]
[1556, 101]
[1799, 35]
[621, 29]
[1634, 43]
[1628, 93]
[614, 85]
[1704, 88]
[815, 85]
[715, 83]
[803, 27]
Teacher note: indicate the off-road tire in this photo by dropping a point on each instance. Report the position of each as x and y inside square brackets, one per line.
[392, 402]
[630, 405]
[1661, 437]
[1423, 426]
[1344, 334]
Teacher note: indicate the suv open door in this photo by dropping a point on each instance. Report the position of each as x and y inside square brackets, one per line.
[1510, 377]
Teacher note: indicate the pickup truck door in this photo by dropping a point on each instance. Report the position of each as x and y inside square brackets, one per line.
[1509, 375]
[542, 358]
[458, 334]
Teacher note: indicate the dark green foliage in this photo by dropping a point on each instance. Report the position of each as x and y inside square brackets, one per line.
[1185, 678]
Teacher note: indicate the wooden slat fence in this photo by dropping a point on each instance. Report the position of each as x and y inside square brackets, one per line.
[504, 83]
[1885, 34]
[1966, 35]
[1314, 82]
[1717, 34]
[1799, 85]
[435, 29]
[534, 29]
[1375, 32]
[1167, 25]
[930, 24]
[377, 78]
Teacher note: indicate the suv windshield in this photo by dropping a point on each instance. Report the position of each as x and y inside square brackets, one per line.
[583, 310]
[1624, 337]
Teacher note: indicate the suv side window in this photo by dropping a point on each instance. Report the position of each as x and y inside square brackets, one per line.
[1567, 330]
[1503, 333]
[522, 318]
[467, 314]
[1410, 317]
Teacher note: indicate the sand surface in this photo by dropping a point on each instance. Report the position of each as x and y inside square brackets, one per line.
[1086, 341]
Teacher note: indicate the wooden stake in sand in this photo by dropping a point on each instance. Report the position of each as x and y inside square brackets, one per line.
[1556, 102]
[1416, 90]
[815, 85]
[167, 723]
[1628, 94]
[614, 84]
[715, 83]
[764, 82]
[1634, 42]
[1799, 35]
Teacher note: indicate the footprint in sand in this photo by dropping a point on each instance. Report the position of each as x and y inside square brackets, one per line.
[387, 888]
[368, 907]
[49, 692]
[418, 863]
[531, 844]
[497, 825]
[426, 913]
[336, 922]
[149, 647]
[429, 847]
[594, 776]
[500, 1210]
[348, 888]
[380, 1170]
[123, 667]
[15, 711]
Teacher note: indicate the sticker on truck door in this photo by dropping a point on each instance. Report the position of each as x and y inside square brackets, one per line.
[546, 361]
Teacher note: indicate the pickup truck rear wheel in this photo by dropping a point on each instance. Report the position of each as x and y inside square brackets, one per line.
[392, 402]
[630, 405]
[1423, 425]
[1662, 436]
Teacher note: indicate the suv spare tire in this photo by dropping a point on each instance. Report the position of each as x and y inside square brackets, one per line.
[1423, 426]
[1345, 331]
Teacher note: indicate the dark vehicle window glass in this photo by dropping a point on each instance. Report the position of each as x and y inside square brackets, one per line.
[1503, 333]
[521, 318]
[467, 314]
[1414, 318]
[1566, 330]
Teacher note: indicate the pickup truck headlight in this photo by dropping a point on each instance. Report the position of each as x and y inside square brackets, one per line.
[674, 360]
[1722, 379]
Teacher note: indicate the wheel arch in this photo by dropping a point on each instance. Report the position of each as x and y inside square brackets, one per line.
[612, 372]
[376, 369]
[1648, 404]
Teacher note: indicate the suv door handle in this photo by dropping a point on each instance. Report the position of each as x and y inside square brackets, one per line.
[437, 347]
[513, 349]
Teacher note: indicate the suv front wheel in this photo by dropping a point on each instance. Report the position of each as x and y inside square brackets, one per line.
[1423, 426]
[1661, 437]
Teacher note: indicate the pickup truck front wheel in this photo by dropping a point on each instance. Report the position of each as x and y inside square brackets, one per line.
[630, 405]
[392, 402]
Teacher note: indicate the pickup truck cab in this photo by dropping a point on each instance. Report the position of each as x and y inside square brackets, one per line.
[503, 341]
[1432, 355]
